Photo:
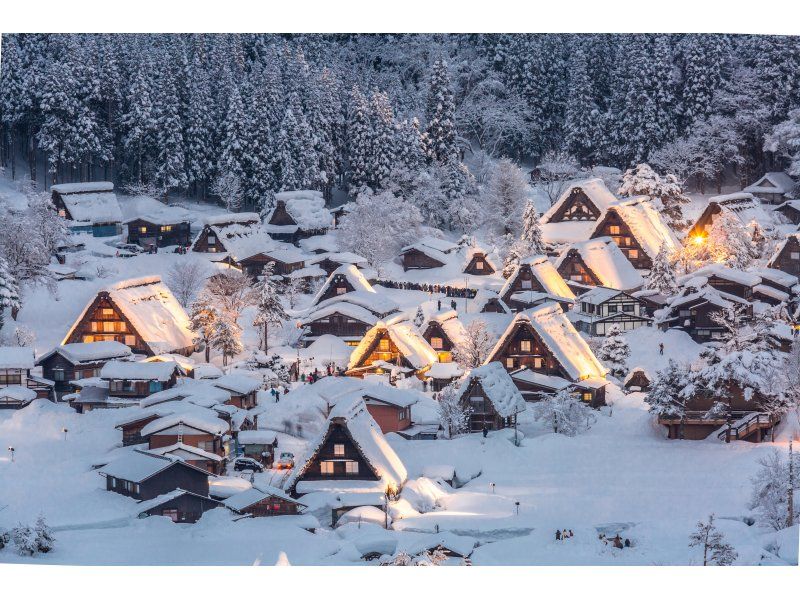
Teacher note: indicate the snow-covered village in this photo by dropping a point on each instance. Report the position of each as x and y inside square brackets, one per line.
[399, 300]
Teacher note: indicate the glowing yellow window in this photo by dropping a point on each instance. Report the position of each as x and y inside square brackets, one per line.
[338, 450]
[479, 265]
[143, 229]
[436, 342]
[326, 467]
[166, 228]
[614, 229]
[383, 345]
[525, 346]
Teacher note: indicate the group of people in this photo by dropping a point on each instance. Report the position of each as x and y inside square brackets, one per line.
[429, 288]
[616, 541]
[564, 534]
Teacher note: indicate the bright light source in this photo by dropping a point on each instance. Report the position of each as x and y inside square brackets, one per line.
[698, 240]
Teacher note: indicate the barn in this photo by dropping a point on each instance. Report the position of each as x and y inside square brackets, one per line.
[298, 215]
[89, 207]
[533, 281]
[598, 262]
[492, 398]
[772, 188]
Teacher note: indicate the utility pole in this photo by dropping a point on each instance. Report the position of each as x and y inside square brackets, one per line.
[790, 498]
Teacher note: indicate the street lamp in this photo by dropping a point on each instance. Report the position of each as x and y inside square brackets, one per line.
[11, 450]
[65, 433]
[516, 504]
[491, 485]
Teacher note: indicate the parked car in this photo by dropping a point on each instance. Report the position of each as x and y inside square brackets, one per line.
[285, 461]
[247, 464]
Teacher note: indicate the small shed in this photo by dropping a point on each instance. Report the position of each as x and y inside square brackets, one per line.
[263, 501]
[637, 380]
[773, 188]
[259, 445]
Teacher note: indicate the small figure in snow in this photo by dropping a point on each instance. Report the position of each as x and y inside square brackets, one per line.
[453, 303]
[660, 348]
[485, 431]
[627, 543]
[558, 534]
[570, 533]
[439, 305]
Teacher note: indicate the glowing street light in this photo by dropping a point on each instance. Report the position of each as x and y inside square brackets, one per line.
[698, 239]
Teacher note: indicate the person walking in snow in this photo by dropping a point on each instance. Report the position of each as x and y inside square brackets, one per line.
[558, 534]
[485, 431]
[439, 305]
[453, 303]
[660, 348]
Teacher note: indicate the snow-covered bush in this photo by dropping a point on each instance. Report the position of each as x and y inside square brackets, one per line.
[453, 414]
[44, 535]
[769, 497]
[566, 414]
[186, 278]
[24, 538]
[471, 351]
[715, 550]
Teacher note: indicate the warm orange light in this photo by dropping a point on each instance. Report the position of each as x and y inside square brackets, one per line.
[698, 240]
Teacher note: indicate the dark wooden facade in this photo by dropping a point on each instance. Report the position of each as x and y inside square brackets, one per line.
[576, 207]
[479, 265]
[522, 347]
[523, 280]
[281, 217]
[437, 338]
[184, 508]
[254, 265]
[621, 310]
[695, 318]
[337, 286]
[176, 475]
[414, 259]
[62, 371]
[337, 324]
[788, 258]
[132, 430]
[574, 269]
[612, 225]
[337, 458]
[208, 241]
[382, 348]
[139, 389]
[790, 211]
[270, 506]
[482, 411]
[638, 380]
[211, 443]
[145, 233]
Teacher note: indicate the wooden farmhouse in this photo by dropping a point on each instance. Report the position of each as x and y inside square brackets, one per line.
[693, 309]
[638, 229]
[744, 206]
[427, 253]
[131, 426]
[573, 216]
[389, 407]
[89, 207]
[790, 210]
[191, 428]
[226, 232]
[76, 361]
[758, 284]
[393, 348]
[180, 506]
[263, 501]
[332, 261]
[598, 263]
[745, 419]
[138, 379]
[202, 459]
[444, 332]
[772, 188]
[601, 308]
[637, 380]
[151, 223]
[16, 364]
[535, 281]
[489, 302]
[493, 399]
[545, 341]
[345, 279]
[298, 215]
[350, 455]
[242, 389]
[441, 374]
[286, 259]
[16, 397]
[480, 261]
[141, 313]
[787, 256]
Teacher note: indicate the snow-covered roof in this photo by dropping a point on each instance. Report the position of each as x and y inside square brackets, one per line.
[647, 225]
[137, 466]
[339, 257]
[407, 339]
[186, 452]
[498, 387]
[747, 208]
[598, 295]
[151, 210]
[483, 296]
[221, 220]
[455, 543]
[280, 252]
[352, 274]
[368, 438]
[439, 245]
[560, 337]
[377, 303]
[772, 182]
[307, 209]
[444, 371]
[490, 255]
[381, 393]
[138, 370]
[196, 392]
[95, 203]
[776, 276]
[595, 189]
[747, 279]
[345, 308]
[153, 311]
[15, 392]
[781, 246]
[256, 437]
[149, 505]
[452, 326]
[635, 371]
[77, 353]
[259, 492]
[238, 383]
[209, 423]
[607, 262]
[16, 358]
[539, 379]
[544, 271]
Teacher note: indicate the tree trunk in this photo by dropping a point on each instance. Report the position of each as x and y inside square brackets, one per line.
[266, 338]
[208, 351]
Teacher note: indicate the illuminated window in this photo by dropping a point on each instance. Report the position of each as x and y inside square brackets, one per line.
[509, 363]
[351, 467]
[212, 240]
[479, 265]
[88, 338]
[538, 363]
[108, 326]
[633, 254]
[130, 340]
[613, 229]
[527, 284]
[341, 290]
[383, 345]
[143, 229]
[525, 346]
[107, 312]
[166, 228]
[338, 450]
[587, 396]
[436, 342]
[326, 468]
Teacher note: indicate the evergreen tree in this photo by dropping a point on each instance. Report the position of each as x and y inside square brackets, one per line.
[582, 116]
[383, 153]
[704, 58]
[359, 140]
[200, 150]
[226, 339]
[614, 351]
[9, 290]
[138, 121]
[531, 241]
[44, 535]
[170, 161]
[662, 274]
[440, 115]
[668, 392]
[269, 309]
[233, 160]
[504, 196]
[203, 318]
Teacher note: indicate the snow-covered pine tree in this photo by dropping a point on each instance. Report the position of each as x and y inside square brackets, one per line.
[138, 121]
[200, 129]
[203, 318]
[668, 193]
[24, 538]
[667, 395]
[410, 145]
[504, 196]
[704, 58]
[729, 242]
[662, 274]
[715, 550]
[614, 351]
[383, 152]
[359, 140]
[44, 535]
[226, 339]
[566, 414]
[9, 290]
[582, 116]
[770, 493]
[440, 115]
[233, 160]
[419, 317]
[530, 241]
[170, 159]
[269, 309]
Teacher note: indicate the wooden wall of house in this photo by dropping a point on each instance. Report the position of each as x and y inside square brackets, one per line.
[784, 260]
[414, 259]
[254, 265]
[577, 206]
[535, 355]
[574, 269]
[524, 281]
[389, 417]
[203, 244]
[139, 388]
[195, 439]
[190, 508]
[479, 266]
[705, 220]
[280, 215]
[59, 369]
[131, 433]
[434, 330]
[338, 325]
[337, 287]
[103, 321]
[270, 506]
[483, 413]
[177, 233]
[615, 227]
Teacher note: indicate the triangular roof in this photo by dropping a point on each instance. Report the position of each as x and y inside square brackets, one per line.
[645, 224]
[560, 337]
[368, 440]
[407, 339]
[191, 419]
[607, 262]
[595, 190]
[306, 208]
[77, 353]
[772, 182]
[450, 324]
[498, 387]
[259, 492]
[95, 203]
[547, 275]
[352, 274]
[139, 465]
